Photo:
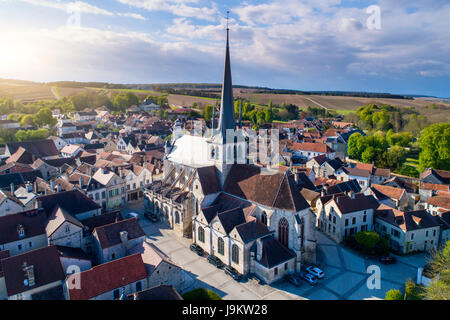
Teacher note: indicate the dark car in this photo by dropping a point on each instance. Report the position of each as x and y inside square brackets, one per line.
[311, 279]
[233, 273]
[387, 260]
[215, 261]
[151, 216]
[197, 249]
[294, 279]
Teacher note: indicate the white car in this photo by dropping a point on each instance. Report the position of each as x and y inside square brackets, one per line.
[315, 272]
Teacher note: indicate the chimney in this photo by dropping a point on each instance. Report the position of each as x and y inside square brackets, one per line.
[81, 182]
[29, 187]
[29, 275]
[12, 188]
[58, 188]
[35, 187]
[52, 184]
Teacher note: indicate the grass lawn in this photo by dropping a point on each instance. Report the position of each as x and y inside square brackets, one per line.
[201, 294]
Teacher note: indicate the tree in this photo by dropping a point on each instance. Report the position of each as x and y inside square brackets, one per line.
[27, 120]
[354, 143]
[435, 147]
[44, 117]
[207, 112]
[412, 291]
[369, 155]
[122, 101]
[367, 239]
[394, 294]
[268, 114]
[439, 289]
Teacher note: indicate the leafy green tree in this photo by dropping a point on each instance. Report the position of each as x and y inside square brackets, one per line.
[394, 294]
[435, 147]
[260, 117]
[44, 117]
[122, 101]
[268, 118]
[207, 112]
[439, 289]
[27, 120]
[367, 239]
[409, 171]
[412, 291]
[369, 154]
[354, 143]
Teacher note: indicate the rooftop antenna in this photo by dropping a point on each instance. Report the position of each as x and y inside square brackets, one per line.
[228, 14]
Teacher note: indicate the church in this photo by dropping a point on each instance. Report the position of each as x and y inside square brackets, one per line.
[256, 222]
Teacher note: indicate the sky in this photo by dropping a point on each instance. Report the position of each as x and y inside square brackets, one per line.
[395, 46]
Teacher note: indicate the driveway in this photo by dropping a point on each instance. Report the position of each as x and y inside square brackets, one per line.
[345, 271]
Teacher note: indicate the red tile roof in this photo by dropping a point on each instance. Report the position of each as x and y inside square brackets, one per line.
[312, 147]
[107, 277]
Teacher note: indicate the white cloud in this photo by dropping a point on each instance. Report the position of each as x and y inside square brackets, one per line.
[83, 7]
[181, 8]
[132, 15]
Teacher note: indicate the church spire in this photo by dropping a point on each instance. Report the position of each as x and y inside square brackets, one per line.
[226, 119]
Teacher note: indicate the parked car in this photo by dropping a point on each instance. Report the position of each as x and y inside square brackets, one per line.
[387, 260]
[197, 249]
[151, 216]
[294, 279]
[308, 277]
[133, 215]
[215, 261]
[233, 273]
[315, 272]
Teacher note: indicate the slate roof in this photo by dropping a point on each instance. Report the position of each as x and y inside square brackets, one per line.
[346, 204]
[21, 155]
[39, 148]
[275, 190]
[109, 235]
[274, 253]
[101, 220]
[252, 230]
[108, 276]
[74, 202]
[70, 252]
[33, 222]
[18, 178]
[208, 179]
[231, 218]
[47, 269]
[346, 186]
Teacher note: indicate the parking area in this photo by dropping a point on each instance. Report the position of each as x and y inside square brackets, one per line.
[345, 271]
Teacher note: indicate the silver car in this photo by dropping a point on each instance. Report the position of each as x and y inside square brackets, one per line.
[315, 272]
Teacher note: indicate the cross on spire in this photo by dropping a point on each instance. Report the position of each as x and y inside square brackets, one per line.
[228, 16]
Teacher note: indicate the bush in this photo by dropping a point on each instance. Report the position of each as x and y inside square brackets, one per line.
[412, 290]
[367, 240]
[393, 294]
[201, 294]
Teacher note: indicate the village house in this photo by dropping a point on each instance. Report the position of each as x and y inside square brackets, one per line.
[407, 231]
[9, 204]
[64, 229]
[342, 216]
[34, 275]
[391, 196]
[22, 232]
[109, 281]
[114, 241]
[115, 188]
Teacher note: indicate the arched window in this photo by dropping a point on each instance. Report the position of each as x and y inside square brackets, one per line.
[220, 246]
[235, 254]
[201, 234]
[213, 153]
[264, 217]
[177, 217]
[283, 232]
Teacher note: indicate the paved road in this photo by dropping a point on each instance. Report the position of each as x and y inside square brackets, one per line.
[345, 271]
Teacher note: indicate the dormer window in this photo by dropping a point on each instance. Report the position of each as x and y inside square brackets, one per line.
[21, 231]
